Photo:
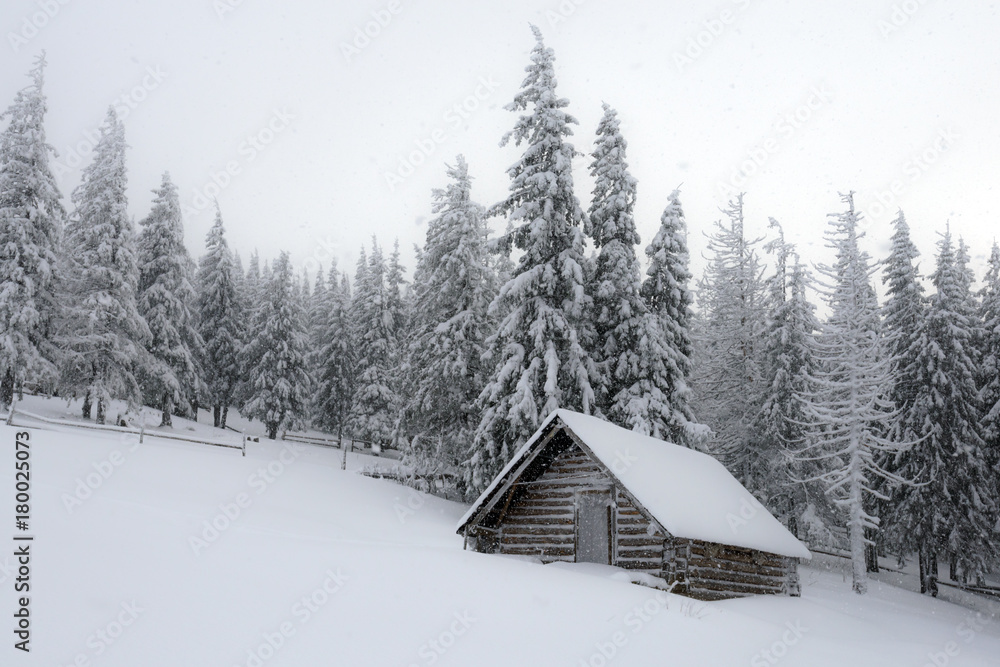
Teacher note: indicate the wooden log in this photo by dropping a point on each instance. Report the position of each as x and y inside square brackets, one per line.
[732, 587]
[542, 542]
[740, 568]
[514, 529]
[540, 521]
[640, 541]
[708, 574]
[720, 552]
[534, 551]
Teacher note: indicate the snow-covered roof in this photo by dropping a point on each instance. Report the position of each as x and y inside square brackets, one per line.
[689, 493]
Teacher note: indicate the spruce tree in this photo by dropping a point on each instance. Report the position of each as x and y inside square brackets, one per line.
[104, 335]
[373, 415]
[844, 399]
[788, 361]
[166, 301]
[952, 505]
[729, 376]
[903, 313]
[988, 379]
[335, 369]
[31, 221]
[619, 312]
[276, 358]
[221, 321]
[665, 347]
[453, 286]
[538, 354]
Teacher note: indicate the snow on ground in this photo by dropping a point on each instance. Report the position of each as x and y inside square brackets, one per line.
[310, 565]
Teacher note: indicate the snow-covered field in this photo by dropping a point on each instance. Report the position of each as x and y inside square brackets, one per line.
[309, 565]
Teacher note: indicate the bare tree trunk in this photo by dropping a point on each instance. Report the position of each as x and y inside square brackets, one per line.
[86, 405]
[7, 388]
[167, 405]
[871, 552]
[225, 415]
[101, 410]
[922, 558]
[953, 567]
[216, 415]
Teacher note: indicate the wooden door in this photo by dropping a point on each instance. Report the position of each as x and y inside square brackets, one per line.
[593, 527]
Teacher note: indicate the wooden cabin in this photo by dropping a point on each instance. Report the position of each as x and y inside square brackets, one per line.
[584, 490]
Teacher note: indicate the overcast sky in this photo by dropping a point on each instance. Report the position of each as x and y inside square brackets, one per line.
[313, 134]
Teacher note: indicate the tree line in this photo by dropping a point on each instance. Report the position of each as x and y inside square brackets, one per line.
[876, 428]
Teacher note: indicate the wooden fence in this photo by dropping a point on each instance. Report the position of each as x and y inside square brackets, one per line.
[141, 432]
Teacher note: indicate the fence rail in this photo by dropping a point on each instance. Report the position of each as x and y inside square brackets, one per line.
[141, 432]
[992, 591]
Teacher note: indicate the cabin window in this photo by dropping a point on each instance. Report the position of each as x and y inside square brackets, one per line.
[593, 528]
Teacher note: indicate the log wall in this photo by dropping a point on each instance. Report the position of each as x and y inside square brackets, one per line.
[638, 546]
[540, 519]
[710, 571]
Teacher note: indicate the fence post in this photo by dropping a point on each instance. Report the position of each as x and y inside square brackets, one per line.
[243, 435]
[142, 431]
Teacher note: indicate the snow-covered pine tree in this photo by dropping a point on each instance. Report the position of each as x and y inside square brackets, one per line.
[844, 398]
[788, 358]
[619, 312]
[250, 295]
[453, 286]
[319, 305]
[989, 369]
[104, 335]
[728, 376]
[952, 505]
[335, 368]
[275, 359]
[538, 355]
[375, 408]
[665, 347]
[166, 296]
[31, 221]
[398, 309]
[220, 321]
[902, 315]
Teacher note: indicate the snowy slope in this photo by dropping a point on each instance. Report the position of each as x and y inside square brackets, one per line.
[333, 568]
